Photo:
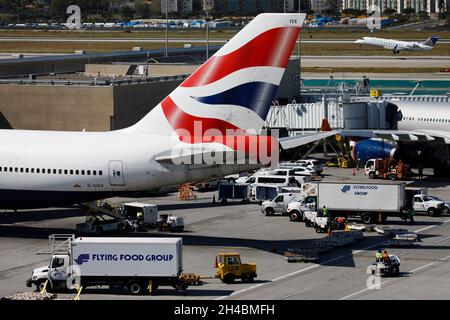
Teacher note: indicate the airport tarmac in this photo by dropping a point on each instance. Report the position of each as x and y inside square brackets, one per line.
[211, 228]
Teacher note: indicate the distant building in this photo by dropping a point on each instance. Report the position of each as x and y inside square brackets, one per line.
[180, 6]
[254, 6]
[319, 6]
[429, 6]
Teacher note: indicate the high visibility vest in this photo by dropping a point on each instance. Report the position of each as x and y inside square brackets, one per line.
[378, 255]
[325, 211]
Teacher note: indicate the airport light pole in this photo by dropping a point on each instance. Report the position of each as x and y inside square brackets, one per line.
[298, 53]
[167, 28]
[207, 35]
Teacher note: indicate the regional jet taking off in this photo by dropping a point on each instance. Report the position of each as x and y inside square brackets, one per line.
[228, 96]
[396, 45]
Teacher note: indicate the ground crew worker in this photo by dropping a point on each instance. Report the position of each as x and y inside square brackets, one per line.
[139, 215]
[341, 223]
[411, 215]
[386, 258]
[378, 256]
[325, 211]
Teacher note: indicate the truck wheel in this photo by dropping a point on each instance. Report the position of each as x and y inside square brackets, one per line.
[269, 211]
[367, 218]
[136, 288]
[295, 216]
[372, 175]
[98, 230]
[318, 229]
[431, 212]
[393, 177]
[40, 285]
[395, 271]
[228, 278]
[446, 211]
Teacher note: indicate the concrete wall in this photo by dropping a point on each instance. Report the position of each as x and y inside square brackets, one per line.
[71, 108]
[161, 69]
[97, 108]
[109, 69]
[133, 102]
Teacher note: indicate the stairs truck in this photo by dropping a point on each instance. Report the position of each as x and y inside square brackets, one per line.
[371, 202]
[138, 265]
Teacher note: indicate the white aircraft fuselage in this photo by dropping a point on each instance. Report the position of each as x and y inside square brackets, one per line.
[233, 91]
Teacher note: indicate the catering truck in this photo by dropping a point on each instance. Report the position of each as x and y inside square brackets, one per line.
[369, 201]
[138, 265]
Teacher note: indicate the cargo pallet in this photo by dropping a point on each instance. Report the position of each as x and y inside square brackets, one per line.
[311, 252]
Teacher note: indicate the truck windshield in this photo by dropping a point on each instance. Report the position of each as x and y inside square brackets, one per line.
[57, 262]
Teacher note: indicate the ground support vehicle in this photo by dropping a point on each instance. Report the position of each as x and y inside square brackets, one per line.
[229, 268]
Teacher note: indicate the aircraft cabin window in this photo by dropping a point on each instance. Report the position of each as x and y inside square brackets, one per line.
[21, 169]
[94, 172]
[26, 170]
[32, 170]
[37, 170]
[60, 171]
[89, 172]
[71, 171]
[77, 172]
[100, 172]
[10, 169]
[16, 169]
[65, 171]
[43, 170]
[118, 173]
[0, 169]
[82, 172]
[54, 171]
[49, 171]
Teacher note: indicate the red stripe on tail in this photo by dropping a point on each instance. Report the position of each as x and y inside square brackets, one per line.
[267, 49]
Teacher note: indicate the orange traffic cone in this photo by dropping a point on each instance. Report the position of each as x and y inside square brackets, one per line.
[216, 263]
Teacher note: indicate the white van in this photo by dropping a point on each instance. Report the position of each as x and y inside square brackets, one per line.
[278, 181]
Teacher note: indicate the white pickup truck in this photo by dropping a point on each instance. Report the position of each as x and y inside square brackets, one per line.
[280, 203]
[296, 209]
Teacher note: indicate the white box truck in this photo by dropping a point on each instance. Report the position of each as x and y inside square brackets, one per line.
[364, 200]
[138, 265]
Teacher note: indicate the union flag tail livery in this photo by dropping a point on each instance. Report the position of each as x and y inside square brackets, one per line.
[234, 89]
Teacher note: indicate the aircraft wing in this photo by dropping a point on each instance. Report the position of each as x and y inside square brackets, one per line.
[299, 140]
[401, 135]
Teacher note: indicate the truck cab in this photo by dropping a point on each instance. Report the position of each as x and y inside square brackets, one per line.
[55, 273]
[423, 203]
[296, 209]
[279, 204]
[230, 267]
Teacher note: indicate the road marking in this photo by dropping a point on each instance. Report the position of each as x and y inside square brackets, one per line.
[443, 259]
[440, 240]
[300, 271]
[422, 267]
[432, 226]
[363, 290]
[319, 265]
[341, 276]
